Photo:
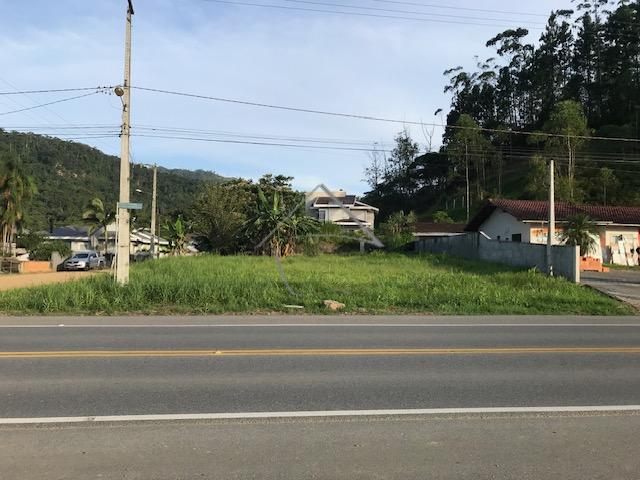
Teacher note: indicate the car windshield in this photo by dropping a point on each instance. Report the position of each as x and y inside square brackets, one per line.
[81, 255]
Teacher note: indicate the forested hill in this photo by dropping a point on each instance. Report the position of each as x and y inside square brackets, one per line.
[527, 103]
[69, 174]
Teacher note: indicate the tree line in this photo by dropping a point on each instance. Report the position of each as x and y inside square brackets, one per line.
[520, 107]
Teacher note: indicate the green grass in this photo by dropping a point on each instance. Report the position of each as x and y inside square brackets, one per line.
[374, 283]
[615, 266]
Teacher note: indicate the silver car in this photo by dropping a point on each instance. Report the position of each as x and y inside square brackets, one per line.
[84, 261]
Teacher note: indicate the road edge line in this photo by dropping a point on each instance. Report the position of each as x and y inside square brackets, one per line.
[318, 414]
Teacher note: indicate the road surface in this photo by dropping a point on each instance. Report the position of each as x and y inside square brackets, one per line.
[321, 398]
[621, 284]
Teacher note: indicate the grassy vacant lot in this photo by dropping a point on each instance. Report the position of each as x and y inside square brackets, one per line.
[375, 283]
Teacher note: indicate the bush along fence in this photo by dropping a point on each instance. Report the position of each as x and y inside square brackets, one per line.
[477, 246]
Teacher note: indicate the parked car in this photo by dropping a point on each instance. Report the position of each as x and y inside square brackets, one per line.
[84, 261]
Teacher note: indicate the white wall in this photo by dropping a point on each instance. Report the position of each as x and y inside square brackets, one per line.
[80, 246]
[504, 225]
[335, 214]
[612, 251]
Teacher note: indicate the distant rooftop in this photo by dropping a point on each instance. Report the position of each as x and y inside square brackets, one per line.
[538, 210]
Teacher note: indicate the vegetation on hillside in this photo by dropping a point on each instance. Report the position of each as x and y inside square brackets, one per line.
[376, 283]
[581, 80]
[69, 174]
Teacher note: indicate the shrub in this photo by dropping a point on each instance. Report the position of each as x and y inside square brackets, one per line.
[442, 217]
[30, 241]
[44, 250]
[397, 231]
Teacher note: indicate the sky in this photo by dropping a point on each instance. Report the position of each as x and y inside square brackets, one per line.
[290, 56]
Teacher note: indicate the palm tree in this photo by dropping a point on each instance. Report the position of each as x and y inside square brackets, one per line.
[176, 233]
[579, 231]
[282, 226]
[16, 187]
[97, 217]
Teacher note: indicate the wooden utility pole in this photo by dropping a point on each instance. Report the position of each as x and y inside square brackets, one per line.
[552, 219]
[154, 210]
[123, 248]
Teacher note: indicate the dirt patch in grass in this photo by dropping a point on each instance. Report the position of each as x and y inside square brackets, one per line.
[10, 281]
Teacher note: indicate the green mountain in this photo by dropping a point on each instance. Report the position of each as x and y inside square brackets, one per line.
[68, 174]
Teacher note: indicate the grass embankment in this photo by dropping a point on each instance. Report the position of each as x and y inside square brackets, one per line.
[375, 283]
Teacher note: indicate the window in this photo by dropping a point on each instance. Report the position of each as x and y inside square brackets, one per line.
[322, 215]
[516, 237]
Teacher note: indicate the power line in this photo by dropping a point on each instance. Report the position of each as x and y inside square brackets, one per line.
[390, 10]
[246, 142]
[261, 136]
[376, 118]
[57, 90]
[28, 96]
[58, 127]
[49, 103]
[358, 14]
[431, 5]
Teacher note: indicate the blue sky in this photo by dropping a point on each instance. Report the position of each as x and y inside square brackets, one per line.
[377, 66]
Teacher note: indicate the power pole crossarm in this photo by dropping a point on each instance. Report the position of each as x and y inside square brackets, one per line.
[123, 247]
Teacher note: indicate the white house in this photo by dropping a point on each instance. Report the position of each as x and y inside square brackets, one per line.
[526, 221]
[79, 239]
[345, 213]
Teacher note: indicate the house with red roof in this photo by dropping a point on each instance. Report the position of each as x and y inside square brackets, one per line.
[527, 221]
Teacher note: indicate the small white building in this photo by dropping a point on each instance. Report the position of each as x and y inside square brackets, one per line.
[344, 212]
[79, 239]
[527, 221]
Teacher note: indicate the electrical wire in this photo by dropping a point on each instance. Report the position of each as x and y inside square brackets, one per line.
[389, 10]
[49, 103]
[246, 142]
[358, 14]
[56, 90]
[376, 118]
[147, 129]
[431, 5]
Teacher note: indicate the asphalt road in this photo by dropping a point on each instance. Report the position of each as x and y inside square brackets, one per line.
[621, 284]
[473, 447]
[220, 368]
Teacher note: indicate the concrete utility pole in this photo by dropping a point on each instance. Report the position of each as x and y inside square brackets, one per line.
[552, 219]
[466, 163]
[123, 248]
[154, 209]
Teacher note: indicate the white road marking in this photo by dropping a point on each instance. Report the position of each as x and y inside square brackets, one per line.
[280, 325]
[319, 414]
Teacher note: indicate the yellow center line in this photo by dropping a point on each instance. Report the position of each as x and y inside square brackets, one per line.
[315, 352]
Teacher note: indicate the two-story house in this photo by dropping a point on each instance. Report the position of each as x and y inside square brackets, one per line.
[346, 212]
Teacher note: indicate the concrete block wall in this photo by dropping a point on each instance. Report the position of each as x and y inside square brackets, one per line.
[477, 246]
